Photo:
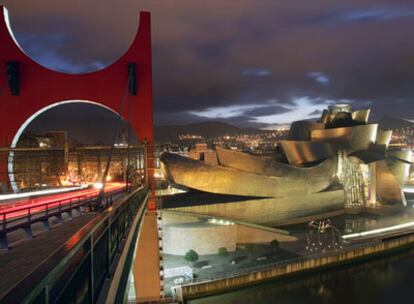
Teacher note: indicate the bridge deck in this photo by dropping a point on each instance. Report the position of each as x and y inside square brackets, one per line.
[26, 254]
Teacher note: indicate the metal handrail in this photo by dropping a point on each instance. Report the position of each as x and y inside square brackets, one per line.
[70, 203]
[55, 202]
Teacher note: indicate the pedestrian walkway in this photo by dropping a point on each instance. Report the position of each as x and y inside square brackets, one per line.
[147, 261]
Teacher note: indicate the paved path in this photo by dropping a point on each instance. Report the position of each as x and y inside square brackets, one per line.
[147, 261]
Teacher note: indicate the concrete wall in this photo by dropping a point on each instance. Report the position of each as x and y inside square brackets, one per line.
[170, 218]
[202, 237]
[184, 232]
[246, 234]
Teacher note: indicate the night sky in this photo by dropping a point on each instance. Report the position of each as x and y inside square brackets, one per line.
[255, 63]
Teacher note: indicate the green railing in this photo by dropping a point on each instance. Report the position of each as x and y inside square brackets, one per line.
[76, 272]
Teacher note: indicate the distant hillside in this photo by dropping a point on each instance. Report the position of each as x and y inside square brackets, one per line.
[208, 129]
[390, 123]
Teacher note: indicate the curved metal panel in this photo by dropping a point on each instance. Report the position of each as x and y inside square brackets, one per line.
[268, 166]
[325, 117]
[350, 139]
[384, 138]
[368, 156]
[300, 130]
[217, 179]
[400, 169]
[340, 107]
[340, 119]
[334, 134]
[387, 186]
[301, 152]
[404, 155]
[361, 116]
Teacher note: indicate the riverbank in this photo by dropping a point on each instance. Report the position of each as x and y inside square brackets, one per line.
[258, 275]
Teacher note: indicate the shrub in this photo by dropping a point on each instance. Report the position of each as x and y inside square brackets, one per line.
[274, 244]
[191, 256]
[223, 252]
[249, 248]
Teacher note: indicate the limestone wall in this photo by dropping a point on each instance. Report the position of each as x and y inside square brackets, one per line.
[300, 265]
[246, 234]
[201, 237]
[274, 210]
[207, 238]
[175, 218]
[184, 232]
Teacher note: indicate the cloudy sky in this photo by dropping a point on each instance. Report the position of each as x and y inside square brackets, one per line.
[248, 62]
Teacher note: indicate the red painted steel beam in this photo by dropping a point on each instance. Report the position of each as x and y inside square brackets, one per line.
[41, 87]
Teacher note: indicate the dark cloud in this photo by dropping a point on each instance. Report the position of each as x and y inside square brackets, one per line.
[244, 122]
[218, 54]
[315, 113]
[76, 119]
[177, 118]
[386, 13]
[256, 72]
[263, 111]
[319, 77]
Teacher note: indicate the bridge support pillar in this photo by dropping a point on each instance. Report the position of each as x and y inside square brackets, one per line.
[146, 267]
[28, 230]
[4, 242]
[46, 224]
[3, 173]
[69, 213]
[59, 218]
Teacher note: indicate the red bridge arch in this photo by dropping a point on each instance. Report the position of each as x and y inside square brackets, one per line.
[39, 88]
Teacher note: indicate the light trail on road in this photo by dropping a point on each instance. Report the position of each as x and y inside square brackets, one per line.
[13, 196]
[21, 208]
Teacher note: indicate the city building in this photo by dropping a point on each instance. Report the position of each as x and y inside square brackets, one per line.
[47, 160]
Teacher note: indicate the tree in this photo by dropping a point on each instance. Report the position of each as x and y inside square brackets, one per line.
[275, 245]
[191, 256]
[222, 251]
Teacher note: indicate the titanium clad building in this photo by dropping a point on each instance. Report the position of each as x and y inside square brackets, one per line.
[340, 161]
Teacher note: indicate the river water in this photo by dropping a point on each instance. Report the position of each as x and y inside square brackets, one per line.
[386, 280]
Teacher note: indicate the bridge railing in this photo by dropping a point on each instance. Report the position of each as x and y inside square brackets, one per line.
[24, 216]
[76, 272]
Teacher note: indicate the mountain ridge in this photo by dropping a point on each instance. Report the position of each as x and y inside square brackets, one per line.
[392, 123]
[206, 129]
[213, 129]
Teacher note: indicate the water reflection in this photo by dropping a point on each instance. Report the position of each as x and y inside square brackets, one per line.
[387, 280]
